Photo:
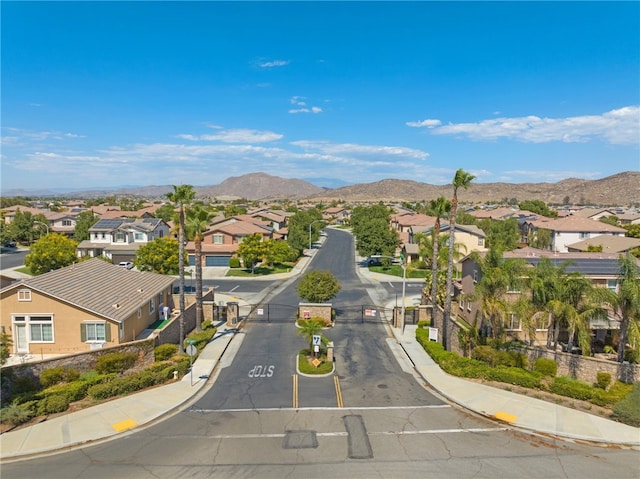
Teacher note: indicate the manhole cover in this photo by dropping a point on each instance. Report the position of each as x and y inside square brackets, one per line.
[300, 440]
[383, 386]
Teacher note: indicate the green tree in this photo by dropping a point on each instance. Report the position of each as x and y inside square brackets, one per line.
[318, 286]
[610, 220]
[371, 227]
[197, 222]
[277, 251]
[299, 225]
[5, 347]
[501, 234]
[462, 179]
[310, 328]
[626, 302]
[84, 221]
[633, 231]
[497, 277]
[539, 207]
[26, 227]
[252, 250]
[52, 251]
[182, 195]
[540, 238]
[166, 212]
[159, 256]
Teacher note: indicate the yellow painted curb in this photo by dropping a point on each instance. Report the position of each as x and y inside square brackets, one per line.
[505, 416]
[124, 425]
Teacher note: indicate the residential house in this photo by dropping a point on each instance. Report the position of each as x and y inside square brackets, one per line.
[221, 240]
[469, 237]
[337, 215]
[88, 305]
[601, 268]
[569, 230]
[119, 239]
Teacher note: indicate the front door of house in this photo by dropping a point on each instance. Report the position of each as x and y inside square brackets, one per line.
[20, 332]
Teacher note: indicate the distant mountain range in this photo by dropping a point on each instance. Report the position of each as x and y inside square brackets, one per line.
[622, 189]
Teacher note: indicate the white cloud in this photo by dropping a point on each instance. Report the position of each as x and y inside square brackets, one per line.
[621, 126]
[423, 123]
[300, 102]
[273, 63]
[356, 150]
[235, 135]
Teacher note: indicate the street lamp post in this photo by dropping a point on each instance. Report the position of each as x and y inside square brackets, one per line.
[43, 224]
[310, 224]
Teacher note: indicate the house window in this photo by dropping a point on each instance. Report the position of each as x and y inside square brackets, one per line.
[475, 275]
[152, 306]
[218, 239]
[24, 295]
[41, 329]
[514, 323]
[139, 236]
[612, 284]
[119, 237]
[584, 235]
[95, 332]
[66, 223]
[160, 234]
[480, 241]
[121, 330]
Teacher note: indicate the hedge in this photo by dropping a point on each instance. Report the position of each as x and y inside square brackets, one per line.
[627, 410]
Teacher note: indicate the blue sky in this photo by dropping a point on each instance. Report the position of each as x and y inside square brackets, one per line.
[116, 93]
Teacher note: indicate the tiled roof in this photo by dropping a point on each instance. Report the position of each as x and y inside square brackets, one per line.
[577, 224]
[103, 288]
[609, 243]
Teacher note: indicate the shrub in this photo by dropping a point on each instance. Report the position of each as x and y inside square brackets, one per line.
[546, 367]
[627, 410]
[201, 338]
[603, 379]
[165, 351]
[57, 375]
[424, 324]
[71, 391]
[486, 354]
[53, 404]
[115, 362]
[571, 388]
[16, 414]
[234, 262]
[515, 375]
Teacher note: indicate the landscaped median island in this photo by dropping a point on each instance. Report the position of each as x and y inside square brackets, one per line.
[317, 359]
[511, 370]
[58, 390]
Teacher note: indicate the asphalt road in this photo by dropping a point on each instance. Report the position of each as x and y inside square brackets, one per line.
[390, 425]
[12, 258]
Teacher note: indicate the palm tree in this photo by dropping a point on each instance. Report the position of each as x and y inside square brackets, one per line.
[197, 222]
[462, 179]
[497, 277]
[626, 303]
[438, 208]
[309, 328]
[182, 195]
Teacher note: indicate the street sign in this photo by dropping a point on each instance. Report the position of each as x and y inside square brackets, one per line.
[317, 340]
[192, 350]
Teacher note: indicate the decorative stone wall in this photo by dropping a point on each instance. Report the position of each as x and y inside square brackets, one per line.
[316, 310]
[81, 362]
[585, 368]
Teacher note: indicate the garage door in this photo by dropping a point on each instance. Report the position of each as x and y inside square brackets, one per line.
[217, 260]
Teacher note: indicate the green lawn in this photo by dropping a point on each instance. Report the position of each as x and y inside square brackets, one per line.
[396, 270]
[261, 270]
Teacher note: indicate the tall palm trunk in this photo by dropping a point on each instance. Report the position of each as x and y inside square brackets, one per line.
[199, 310]
[181, 274]
[447, 296]
[434, 273]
